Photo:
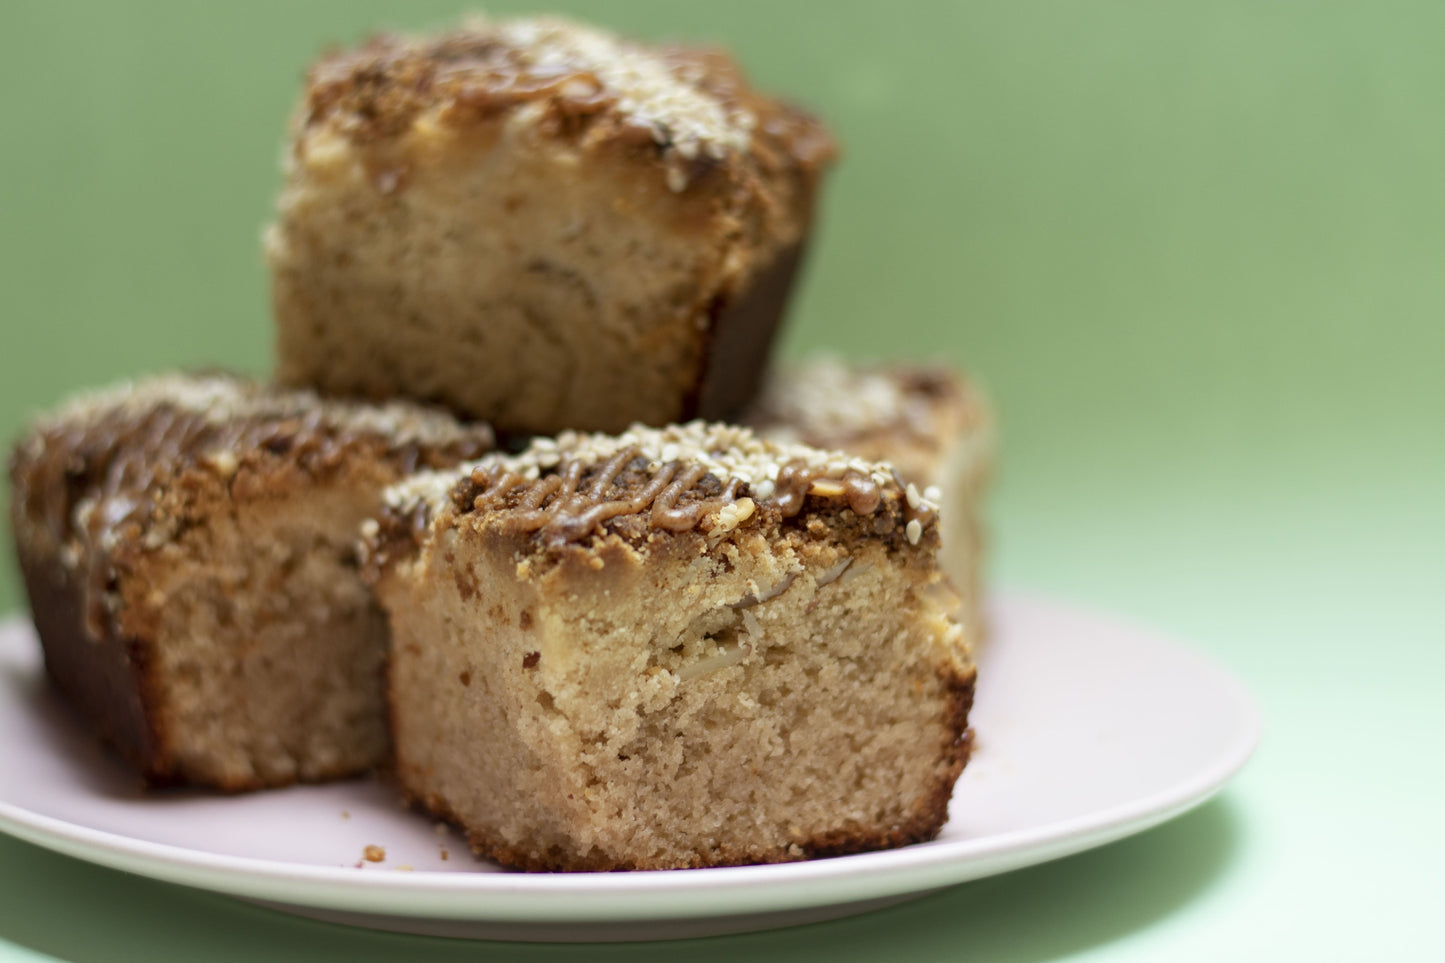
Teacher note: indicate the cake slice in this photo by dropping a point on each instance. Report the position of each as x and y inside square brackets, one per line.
[189, 548]
[671, 648]
[541, 225]
[932, 424]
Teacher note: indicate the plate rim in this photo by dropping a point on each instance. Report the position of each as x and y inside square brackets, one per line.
[670, 894]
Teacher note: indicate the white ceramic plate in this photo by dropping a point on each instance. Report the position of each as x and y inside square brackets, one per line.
[1088, 730]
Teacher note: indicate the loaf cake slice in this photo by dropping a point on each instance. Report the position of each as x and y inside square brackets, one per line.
[189, 548]
[671, 648]
[541, 225]
[930, 422]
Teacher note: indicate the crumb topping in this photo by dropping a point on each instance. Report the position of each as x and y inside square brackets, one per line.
[698, 475]
[214, 400]
[94, 476]
[693, 106]
[827, 401]
[672, 104]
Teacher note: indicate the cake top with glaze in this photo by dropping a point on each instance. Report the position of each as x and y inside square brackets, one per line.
[692, 104]
[705, 476]
[98, 471]
[216, 400]
[826, 401]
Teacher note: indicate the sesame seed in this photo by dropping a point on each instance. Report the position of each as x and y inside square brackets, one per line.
[914, 531]
[679, 112]
[224, 462]
[732, 455]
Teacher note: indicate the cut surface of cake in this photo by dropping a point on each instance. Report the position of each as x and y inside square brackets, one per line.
[541, 225]
[927, 420]
[671, 648]
[189, 548]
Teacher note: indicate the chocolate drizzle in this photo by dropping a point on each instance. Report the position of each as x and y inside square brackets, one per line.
[568, 505]
[697, 476]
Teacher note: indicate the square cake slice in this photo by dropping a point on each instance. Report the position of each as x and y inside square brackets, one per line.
[927, 420]
[670, 648]
[540, 224]
[189, 548]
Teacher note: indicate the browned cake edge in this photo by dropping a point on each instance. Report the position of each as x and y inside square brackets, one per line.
[741, 327]
[108, 678]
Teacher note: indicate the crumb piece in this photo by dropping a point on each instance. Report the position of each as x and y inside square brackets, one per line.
[404, 868]
[345, 814]
[373, 854]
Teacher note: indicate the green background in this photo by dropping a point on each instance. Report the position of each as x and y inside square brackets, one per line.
[1195, 251]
